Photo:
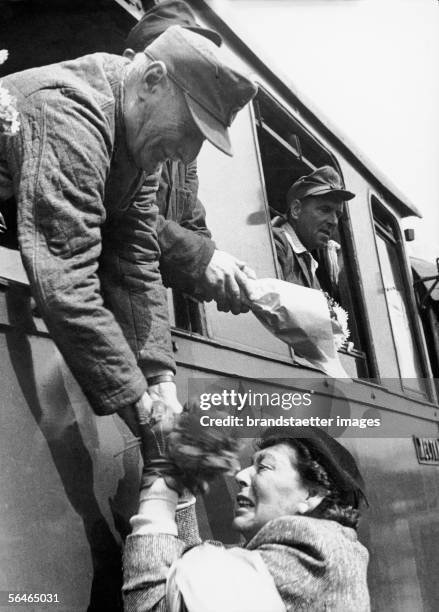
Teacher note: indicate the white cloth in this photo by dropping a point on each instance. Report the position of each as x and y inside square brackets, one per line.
[300, 317]
[216, 579]
[157, 505]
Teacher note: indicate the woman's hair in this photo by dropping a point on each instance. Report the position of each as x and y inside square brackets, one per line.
[337, 505]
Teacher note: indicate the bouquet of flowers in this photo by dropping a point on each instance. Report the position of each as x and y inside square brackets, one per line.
[9, 123]
[339, 321]
[313, 324]
[201, 453]
[183, 452]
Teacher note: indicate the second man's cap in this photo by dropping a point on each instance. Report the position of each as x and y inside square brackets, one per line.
[323, 181]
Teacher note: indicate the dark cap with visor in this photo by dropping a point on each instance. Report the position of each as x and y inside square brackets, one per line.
[214, 91]
[330, 454]
[162, 16]
[323, 181]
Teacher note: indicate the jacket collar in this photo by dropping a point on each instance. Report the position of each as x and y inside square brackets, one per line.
[298, 247]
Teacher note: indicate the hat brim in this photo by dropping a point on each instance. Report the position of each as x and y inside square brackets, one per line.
[341, 194]
[209, 34]
[138, 40]
[209, 126]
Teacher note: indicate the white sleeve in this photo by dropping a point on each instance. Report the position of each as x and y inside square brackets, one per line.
[213, 578]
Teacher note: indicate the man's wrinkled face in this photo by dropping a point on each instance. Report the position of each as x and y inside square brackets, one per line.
[271, 487]
[316, 220]
[160, 127]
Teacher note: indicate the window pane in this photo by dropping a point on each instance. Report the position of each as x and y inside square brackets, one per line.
[408, 358]
[343, 292]
[231, 189]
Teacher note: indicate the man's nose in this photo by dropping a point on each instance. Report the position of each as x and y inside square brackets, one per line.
[187, 156]
[192, 151]
[332, 218]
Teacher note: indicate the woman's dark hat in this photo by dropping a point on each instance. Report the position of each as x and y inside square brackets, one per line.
[335, 458]
[160, 18]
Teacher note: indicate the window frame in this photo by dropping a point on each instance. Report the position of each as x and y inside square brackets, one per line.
[395, 237]
[357, 296]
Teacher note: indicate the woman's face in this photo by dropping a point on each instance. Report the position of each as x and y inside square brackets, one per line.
[271, 487]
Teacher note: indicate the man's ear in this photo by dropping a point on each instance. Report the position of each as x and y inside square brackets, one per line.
[129, 54]
[153, 75]
[294, 209]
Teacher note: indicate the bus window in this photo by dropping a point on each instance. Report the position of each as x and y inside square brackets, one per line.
[397, 292]
[187, 313]
[426, 284]
[232, 190]
[8, 219]
[288, 151]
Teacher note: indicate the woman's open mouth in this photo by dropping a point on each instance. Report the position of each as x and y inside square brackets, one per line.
[244, 502]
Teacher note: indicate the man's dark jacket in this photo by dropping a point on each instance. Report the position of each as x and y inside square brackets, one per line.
[184, 239]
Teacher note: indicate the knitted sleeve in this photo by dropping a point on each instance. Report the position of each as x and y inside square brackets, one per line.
[146, 562]
[160, 536]
[187, 525]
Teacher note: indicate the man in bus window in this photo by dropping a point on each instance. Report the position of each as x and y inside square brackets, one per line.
[315, 204]
[84, 170]
[189, 260]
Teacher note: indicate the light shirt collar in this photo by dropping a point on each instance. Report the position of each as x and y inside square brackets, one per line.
[298, 246]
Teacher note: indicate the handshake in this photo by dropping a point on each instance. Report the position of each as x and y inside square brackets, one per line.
[226, 280]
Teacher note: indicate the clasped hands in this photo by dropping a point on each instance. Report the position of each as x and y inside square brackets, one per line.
[159, 403]
[151, 419]
[226, 281]
[176, 448]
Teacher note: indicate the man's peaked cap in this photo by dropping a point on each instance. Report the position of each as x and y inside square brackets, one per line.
[214, 91]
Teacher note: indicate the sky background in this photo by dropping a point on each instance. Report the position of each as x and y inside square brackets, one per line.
[372, 67]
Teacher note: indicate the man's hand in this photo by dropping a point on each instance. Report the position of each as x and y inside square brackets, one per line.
[159, 404]
[225, 279]
[164, 396]
[140, 412]
[155, 429]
